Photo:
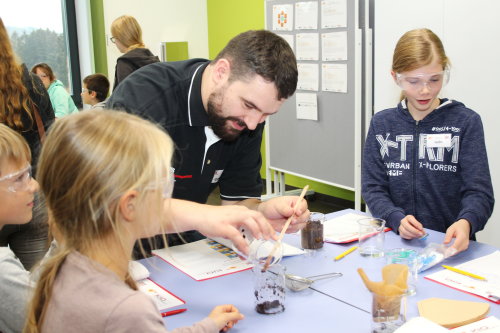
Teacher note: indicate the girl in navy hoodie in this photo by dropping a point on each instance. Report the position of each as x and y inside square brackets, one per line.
[424, 161]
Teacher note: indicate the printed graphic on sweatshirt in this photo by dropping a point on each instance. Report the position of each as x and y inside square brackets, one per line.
[433, 150]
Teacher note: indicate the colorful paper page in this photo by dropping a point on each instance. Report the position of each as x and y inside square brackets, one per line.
[163, 298]
[204, 259]
[486, 266]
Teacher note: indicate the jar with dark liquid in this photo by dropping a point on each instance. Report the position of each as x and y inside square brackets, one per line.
[312, 234]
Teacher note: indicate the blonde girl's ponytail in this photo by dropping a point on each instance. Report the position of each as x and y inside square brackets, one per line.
[43, 291]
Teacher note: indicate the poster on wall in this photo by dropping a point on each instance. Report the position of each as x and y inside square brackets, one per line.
[283, 17]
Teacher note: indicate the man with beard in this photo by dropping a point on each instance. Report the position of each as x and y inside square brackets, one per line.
[215, 112]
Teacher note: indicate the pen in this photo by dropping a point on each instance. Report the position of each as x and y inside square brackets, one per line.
[343, 254]
[173, 312]
[464, 273]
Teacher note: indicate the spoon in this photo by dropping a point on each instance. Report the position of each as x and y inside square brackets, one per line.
[298, 283]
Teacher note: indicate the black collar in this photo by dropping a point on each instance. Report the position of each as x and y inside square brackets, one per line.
[196, 111]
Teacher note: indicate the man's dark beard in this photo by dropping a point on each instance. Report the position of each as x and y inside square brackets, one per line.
[219, 124]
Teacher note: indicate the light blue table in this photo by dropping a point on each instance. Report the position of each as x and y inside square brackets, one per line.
[333, 305]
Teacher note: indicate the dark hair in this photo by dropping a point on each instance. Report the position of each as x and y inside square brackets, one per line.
[98, 83]
[46, 69]
[263, 53]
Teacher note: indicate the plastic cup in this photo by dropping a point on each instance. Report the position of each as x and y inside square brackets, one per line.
[409, 258]
[371, 237]
[312, 234]
[269, 289]
[388, 312]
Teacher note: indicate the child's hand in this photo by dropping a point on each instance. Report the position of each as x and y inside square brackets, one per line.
[225, 316]
[411, 228]
[459, 230]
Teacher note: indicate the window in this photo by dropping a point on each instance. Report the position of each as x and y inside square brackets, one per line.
[45, 31]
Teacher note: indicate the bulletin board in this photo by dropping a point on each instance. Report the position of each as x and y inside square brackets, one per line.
[327, 149]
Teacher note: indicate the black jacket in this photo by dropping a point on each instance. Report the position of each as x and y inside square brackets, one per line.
[40, 98]
[131, 61]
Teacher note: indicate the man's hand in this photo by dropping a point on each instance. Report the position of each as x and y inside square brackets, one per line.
[225, 222]
[278, 210]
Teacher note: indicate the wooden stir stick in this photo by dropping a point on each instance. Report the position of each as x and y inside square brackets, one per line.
[283, 231]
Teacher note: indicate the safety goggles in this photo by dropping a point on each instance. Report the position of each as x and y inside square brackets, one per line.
[418, 81]
[167, 185]
[18, 181]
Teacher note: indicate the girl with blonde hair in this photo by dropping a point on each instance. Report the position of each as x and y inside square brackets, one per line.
[106, 177]
[126, 34]
[425, 161]
[22, 95]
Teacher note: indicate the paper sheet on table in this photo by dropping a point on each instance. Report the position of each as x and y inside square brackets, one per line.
[486, 266]
[288, 250]
[204, 259]
[421, 324]
[488, 325]
[343, 229]
[163, 298]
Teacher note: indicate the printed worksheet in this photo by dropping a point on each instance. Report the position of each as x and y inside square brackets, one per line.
[204, 259]
[486, 266]
[163, 298]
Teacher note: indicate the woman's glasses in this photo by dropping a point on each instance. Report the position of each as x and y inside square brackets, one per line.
[112, 39]
[18, 181]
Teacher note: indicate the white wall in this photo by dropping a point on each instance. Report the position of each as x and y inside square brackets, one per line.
[85, 43]
[161, 21]
[470, 32]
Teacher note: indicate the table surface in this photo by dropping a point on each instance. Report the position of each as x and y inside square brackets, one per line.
[339, 304]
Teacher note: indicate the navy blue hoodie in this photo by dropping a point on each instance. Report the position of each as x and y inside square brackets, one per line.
[407, 172]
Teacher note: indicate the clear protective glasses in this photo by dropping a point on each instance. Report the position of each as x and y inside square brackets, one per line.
[18, 181]
[167, 185]
[418, 81]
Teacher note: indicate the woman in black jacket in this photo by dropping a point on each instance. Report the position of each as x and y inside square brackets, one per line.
[127, 36]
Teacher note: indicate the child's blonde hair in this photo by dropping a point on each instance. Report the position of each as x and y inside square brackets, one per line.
[418, 48]
[128, 31]
[88, 161]
[13, 147]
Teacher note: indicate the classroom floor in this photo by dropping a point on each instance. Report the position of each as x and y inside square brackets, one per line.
[316, 202]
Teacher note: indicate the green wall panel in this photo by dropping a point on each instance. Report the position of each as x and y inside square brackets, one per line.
[99, 36]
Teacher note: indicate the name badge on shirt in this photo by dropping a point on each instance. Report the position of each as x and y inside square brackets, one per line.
[439, 140]
[217, 175]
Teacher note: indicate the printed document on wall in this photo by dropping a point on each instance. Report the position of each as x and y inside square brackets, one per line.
[306, 15]
[334, 77]
[308, 76]
[307, 46]
[333, 14]
[334, 46]
[307, 106]
[283, 17]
